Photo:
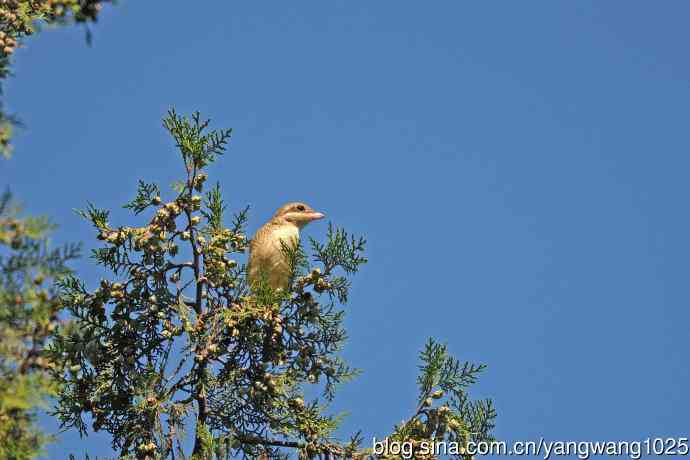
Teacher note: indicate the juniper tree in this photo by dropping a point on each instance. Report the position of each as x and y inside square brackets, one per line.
[22, 18]
[176, 341]
[29, 310]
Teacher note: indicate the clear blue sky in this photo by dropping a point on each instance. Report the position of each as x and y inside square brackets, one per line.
[519, 169]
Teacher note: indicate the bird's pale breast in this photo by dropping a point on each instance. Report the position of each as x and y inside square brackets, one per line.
[267, 257]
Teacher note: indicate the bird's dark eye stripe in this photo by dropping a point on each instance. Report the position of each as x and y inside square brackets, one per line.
[300, 208]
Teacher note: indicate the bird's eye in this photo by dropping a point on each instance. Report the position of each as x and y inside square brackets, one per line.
[300, 208]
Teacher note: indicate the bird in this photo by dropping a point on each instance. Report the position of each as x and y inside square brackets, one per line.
[267, 258]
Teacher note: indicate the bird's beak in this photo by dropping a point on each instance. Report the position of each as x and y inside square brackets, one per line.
[316, 215]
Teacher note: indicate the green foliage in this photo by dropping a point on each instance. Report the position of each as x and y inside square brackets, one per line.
[147, 195]
[216, 207]
[28, 315]
[341, 250]
[177, 337]
[443, 371]
[445, 412]
[22, 18]
[198, 148]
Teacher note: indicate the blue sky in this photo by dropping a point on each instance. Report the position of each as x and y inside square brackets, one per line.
[520, 171]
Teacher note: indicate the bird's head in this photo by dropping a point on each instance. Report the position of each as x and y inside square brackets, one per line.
[298, 214]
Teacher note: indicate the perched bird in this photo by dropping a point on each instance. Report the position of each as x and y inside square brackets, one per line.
[266, 255]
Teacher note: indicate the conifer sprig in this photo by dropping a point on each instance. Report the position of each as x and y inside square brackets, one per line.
[22, 18]
[444, 411]
[29, 314]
